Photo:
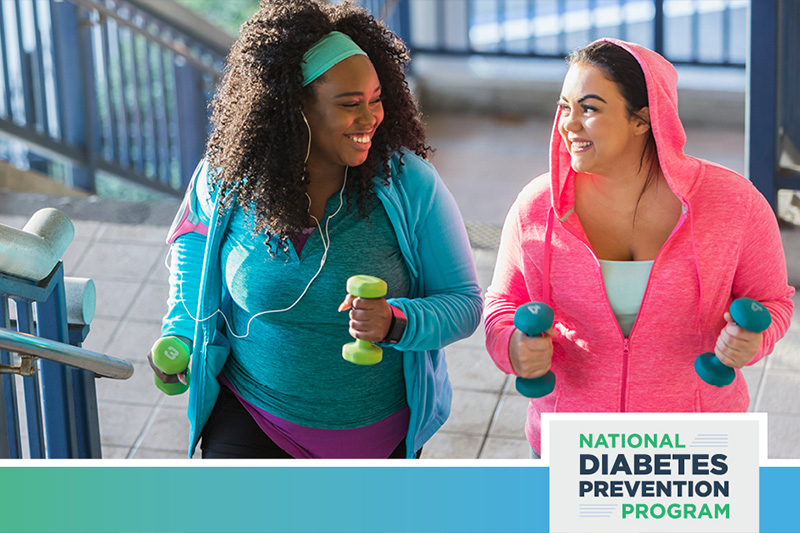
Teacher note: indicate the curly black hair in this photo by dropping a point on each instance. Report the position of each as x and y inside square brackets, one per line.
[259, 140]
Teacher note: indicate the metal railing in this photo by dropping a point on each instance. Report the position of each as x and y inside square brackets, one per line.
[45, 329]
[697, 32]
[773, 113]
[693, 32]
[100, 365]
[100, 90]
[789, 50]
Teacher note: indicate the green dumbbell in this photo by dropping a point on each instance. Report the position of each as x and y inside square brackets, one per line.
[171, 356]
[363, 352]
[750, 315]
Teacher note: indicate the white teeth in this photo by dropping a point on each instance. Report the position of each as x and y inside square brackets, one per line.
[360, 140]
[581, 144]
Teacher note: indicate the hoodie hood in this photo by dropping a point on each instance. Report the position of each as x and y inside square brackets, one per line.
[682, 173]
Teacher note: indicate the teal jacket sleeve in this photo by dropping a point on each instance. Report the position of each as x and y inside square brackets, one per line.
[187, 238]
[448, 305]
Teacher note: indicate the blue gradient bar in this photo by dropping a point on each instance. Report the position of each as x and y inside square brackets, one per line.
[778, 509]
[91, 499]
[267, 499]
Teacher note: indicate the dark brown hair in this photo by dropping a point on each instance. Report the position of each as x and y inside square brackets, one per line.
[622, 68]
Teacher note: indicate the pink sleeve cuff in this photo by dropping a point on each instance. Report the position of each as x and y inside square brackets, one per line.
[501, 357]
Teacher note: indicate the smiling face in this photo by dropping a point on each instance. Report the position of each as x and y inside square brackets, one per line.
[599, 132]
[343, 114]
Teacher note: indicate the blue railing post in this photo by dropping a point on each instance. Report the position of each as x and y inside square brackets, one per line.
[10, 443]
[5, 99]
[76, 92]
[790, 77]
[64, 408]
[193, 117]
[31, 386]
[403, 29]
[761, 113]
[562, 36]
[61, 401]
[658, 26]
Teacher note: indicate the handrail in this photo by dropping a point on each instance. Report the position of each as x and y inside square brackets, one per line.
[32, 252]
[114, 89]
[101, 365]
[189, 23]
[162, 39]
[553, 29]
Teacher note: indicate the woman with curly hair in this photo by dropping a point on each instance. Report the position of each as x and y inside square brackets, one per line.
[315, 172]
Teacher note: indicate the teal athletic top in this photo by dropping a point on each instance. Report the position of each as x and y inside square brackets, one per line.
[290, 364]
[625, 283]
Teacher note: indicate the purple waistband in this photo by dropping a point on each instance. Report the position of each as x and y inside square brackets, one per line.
[375, 441]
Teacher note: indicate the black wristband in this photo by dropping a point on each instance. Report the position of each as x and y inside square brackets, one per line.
[397, 327]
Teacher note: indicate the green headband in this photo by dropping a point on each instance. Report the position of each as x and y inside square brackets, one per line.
[331, 49]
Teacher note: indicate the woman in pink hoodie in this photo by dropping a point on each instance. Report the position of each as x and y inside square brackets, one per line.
[639, 249]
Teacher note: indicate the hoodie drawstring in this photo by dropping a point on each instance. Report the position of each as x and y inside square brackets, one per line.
[698, 324]
[546, 265]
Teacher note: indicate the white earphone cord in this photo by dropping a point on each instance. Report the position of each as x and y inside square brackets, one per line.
[326, 240]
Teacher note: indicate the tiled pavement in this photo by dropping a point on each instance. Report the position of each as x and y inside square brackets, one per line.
[485, 160]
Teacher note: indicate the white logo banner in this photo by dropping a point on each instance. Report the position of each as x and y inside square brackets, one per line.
[653, 472]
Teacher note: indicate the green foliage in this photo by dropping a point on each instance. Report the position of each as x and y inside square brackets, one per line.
[226, 14]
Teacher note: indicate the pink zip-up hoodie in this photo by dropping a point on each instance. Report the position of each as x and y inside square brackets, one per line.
[725, 245]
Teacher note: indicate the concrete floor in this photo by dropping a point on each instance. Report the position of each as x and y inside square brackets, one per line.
[485, 160]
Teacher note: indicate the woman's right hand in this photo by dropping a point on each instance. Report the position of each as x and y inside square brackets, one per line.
[169, 358]
[531, 356]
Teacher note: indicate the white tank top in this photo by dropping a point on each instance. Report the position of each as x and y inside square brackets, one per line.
[625, 283]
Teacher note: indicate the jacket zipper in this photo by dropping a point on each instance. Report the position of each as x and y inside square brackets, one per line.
[625, 346]
[625, 340]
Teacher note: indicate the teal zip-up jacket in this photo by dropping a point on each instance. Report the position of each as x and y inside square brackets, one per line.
[444, 305]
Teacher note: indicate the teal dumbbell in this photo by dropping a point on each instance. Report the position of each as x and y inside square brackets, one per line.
[171, 356]
[750, 315]
[363, 352]
[533, 319]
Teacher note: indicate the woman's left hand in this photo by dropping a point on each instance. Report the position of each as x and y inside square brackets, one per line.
[735, 345]
[370, 318]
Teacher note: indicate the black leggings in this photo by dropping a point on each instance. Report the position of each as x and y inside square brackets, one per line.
[231, 433]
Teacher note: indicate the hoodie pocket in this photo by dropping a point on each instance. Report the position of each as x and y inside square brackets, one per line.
[217, 356]
[733, 398]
